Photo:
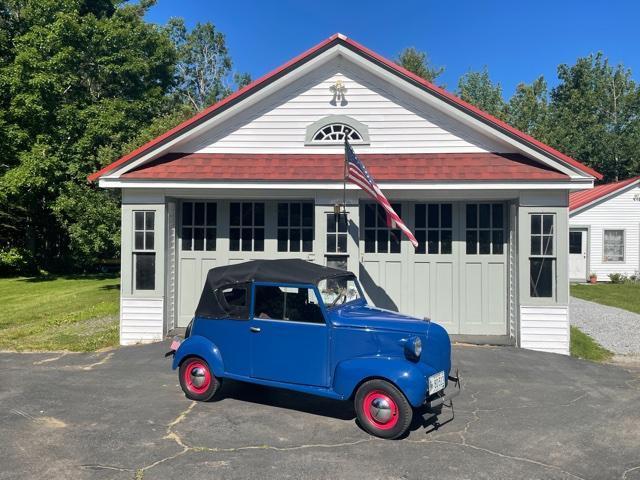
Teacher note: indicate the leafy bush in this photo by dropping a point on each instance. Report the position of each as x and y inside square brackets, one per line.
[14, 261]
[617, 277]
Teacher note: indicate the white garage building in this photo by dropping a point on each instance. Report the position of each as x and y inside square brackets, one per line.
[258, 175]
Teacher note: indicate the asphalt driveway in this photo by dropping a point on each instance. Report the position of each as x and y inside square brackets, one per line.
[121, 414]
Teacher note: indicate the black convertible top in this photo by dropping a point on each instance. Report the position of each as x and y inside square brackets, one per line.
[278, 271]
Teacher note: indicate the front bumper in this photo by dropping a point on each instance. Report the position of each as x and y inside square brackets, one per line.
[443, 396]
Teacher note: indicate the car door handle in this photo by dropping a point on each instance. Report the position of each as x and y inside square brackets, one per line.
[255, 329]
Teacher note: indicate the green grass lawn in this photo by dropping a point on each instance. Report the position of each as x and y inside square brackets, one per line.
[621, 295]
[75, 313]
[585, 347]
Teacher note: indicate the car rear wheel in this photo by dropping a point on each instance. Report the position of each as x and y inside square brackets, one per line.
[197, 380]
[382, 409]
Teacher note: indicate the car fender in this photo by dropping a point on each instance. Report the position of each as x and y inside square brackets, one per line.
[202, 347]
[410, 377]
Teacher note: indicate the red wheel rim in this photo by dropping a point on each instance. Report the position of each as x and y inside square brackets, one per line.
[197, 377]
[380, 410]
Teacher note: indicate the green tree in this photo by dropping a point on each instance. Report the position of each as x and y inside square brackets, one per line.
[478, 89]
[528, 109]
[418, 62]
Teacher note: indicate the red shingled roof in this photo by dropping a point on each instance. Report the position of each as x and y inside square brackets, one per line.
[585, 197]
[356, 47]
[323, 167]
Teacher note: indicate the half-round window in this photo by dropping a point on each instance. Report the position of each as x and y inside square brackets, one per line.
[336, 132]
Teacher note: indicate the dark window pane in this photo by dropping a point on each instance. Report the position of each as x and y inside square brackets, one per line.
[331, 243]
[139, 241]
[283, 214]
[187, 238]
[139, 220]
[307, 239]
[421, 238]
[445, 242]
[331, 223]
[472, 240]
[295, 214]
[148, 241]
[187, 213]
[445, 215]
[294, 240]
[246, 239]
[198, 213]
[498, 242]
[472, 214]
[369, 215]
[258, 239]
[234, 213]
[369, 241]
[485, 214]
[211, 239]
[342, 223]
[145, 265]
[420, 215]
[485, 242]
[497, 217]
[247, 214]
[258, 214]
[381, 216]
[575, 242]
[396, 206]
[536, 245]
[149, 220]
[536, 227]
[198, 239]
[547, 244]
[212, 214]
[342, 242]
[394, 241]
[541, 273]
[383, 237]
[432, 241]
[547, 224]
[433, 215]
[234, 239]
[307, 214]
[282, 240]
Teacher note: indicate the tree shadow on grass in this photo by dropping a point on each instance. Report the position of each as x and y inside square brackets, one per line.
[79, 276]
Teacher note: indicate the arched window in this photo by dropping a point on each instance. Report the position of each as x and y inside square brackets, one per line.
[332, 130]
[336, 131]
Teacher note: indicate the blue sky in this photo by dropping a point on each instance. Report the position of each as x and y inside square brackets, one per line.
[516, 40]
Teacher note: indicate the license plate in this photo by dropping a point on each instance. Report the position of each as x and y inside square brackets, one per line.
[175, 343]
[436, 383]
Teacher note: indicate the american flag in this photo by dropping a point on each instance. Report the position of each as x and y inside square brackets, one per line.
[357, 173]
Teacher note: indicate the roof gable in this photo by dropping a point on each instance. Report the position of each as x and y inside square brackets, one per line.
[585, 198]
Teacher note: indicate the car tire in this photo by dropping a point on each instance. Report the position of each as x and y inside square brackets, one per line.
[382, 409]
[197, 380]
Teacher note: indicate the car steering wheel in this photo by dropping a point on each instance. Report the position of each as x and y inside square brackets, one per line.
[341, 295]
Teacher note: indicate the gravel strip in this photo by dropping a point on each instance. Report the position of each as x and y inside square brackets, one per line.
[615, 329]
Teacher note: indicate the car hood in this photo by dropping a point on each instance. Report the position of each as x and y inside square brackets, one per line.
[366, 316]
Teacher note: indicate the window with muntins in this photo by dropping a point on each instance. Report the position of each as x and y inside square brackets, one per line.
[434, 228]
[199, 221]
[336, 233]
[246, 226]
[336, 132]
[378, 238]
[295, 227]
[144, 256]
[613, 246]
[542, 255]
[484, 228]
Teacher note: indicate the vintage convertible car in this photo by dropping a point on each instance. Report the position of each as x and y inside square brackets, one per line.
[301, 326]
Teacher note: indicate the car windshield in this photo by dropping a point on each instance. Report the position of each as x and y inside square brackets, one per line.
[338, 291]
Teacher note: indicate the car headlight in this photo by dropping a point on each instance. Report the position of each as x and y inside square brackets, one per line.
[414, 346]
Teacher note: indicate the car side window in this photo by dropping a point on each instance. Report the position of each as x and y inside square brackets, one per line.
[294, 304]
[234, 300]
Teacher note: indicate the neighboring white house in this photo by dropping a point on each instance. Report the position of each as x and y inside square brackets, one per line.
[258, 175]
[604, 235]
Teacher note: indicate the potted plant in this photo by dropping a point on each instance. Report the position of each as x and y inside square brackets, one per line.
[593, 278]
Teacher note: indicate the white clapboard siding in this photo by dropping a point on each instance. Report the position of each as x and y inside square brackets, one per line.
[618, 212]
[141, 320]
[397, 122]
[545, 329]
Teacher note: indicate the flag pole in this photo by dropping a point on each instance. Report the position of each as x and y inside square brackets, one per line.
[344, 179]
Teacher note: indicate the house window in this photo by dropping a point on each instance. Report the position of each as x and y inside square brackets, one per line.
[295, 227]
[378, 238]
[433, 230]
[542, 255]
[144, 256]
[336, 132]
[485, 229]
[336, 233]
[575, 242]
[199, 221]
[613, 246]
[246, 226]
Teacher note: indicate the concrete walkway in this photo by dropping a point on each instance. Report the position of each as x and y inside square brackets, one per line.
[615, 329]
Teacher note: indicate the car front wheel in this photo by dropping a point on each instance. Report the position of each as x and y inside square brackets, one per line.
[197, 380]
[382, 409]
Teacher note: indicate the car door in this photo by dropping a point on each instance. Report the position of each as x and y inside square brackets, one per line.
[289, 335]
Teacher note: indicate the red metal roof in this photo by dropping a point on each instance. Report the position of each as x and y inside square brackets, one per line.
[585, 197]
[330, 167]
[354, 46]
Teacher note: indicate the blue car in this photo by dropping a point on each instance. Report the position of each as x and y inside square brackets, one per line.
[301, 326]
